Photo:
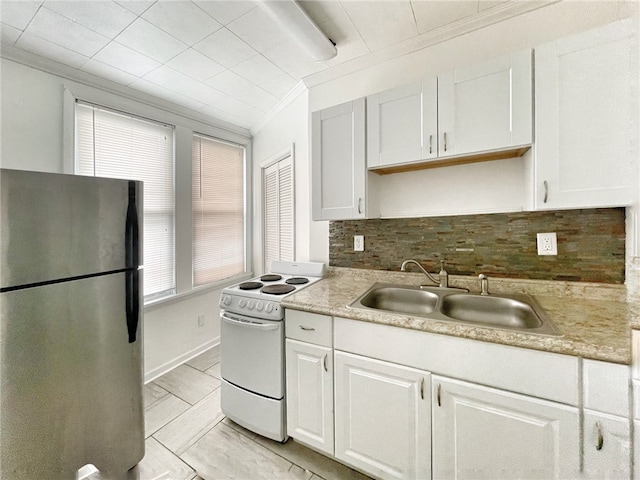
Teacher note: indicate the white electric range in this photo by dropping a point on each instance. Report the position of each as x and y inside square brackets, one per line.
[252, 346]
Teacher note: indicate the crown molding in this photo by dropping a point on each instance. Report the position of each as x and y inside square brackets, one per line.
[46, 65]
[490, 16]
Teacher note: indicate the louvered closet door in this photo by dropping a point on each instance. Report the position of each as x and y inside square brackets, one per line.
[278, 212]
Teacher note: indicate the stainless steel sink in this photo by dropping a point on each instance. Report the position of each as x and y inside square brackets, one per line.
[413, 301]
[511, 312]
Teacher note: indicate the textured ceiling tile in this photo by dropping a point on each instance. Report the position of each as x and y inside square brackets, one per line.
[195, 64]
[279, 86]
[257, 70]
[9, 34]
[107, 71]
[226, 12]
[52, 51]
[18, 14]
[382, 23]
[289, 57]
[258, 30]
[171, 79]
[230, 83]
[136, 6]
[183, 20]
[106, 18]
[125, 59]
[63, 32]
[259, 98]
[145, 38]
[431, 15]
[225, 48]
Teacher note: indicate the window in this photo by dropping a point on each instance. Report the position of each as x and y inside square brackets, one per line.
[278, 212]
[117, 145]
[218, 194]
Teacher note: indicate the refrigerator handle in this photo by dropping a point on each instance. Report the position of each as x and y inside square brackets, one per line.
[131, 234]
[132, 249]
[133, 303]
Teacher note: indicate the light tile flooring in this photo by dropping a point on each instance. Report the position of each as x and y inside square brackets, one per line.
[188, 437]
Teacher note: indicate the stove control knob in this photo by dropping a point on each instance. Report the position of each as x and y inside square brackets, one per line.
[251, 304]
[226, 300]
[242, 303]
[260, 306]
[269, 307]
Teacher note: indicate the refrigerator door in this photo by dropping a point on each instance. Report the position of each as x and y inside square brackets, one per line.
[56, 226]
[71, 383]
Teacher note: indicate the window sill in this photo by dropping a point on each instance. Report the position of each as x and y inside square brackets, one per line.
[194, 292]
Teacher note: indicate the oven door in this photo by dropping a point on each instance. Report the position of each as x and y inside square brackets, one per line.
[252, 354]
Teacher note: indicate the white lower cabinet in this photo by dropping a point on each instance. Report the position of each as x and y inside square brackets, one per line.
[607, 446]
[382, 417]
[485, 433]
[310, 394]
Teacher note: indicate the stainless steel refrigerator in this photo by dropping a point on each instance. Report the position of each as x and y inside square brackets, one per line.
[71, 325]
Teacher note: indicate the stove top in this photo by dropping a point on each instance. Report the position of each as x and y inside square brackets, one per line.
[260, 296]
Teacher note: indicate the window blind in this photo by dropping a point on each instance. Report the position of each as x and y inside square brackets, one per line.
[278, 212]
[218, 210]
[113, 144]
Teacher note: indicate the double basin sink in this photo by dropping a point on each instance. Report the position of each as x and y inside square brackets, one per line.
[512, 312]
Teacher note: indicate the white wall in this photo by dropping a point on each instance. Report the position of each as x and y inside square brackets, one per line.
[290, 127]
[33, 115]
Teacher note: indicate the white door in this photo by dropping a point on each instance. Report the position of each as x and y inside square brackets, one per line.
[310, 394]
[486, 106]
[338, 161]
[402, 124]
[607, 446]
[383, 421]
[587, 119]
[484, 433]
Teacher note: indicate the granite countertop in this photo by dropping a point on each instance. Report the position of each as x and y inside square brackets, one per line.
[595, 319]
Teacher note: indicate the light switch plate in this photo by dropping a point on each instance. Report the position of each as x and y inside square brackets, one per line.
[547, 243]
[358, 243]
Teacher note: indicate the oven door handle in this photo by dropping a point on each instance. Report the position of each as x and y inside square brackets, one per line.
[259, 326]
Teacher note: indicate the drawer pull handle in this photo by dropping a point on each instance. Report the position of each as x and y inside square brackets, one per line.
[360, 205]
[307, 329]
[438, 395]
[600, 443]
[422, 388]
[430, 144]
[324, 362]
[445, 141]
[546, 191]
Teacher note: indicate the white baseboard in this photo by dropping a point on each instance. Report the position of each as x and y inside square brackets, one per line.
[151, 375]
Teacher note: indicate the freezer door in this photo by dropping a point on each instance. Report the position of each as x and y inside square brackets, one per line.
[56, 226]
[71, 383]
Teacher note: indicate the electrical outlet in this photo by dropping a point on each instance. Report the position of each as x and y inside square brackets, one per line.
[547, 244]
[201, 320]
[358, 243]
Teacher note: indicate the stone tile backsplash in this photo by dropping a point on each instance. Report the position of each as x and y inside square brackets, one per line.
[591, 244]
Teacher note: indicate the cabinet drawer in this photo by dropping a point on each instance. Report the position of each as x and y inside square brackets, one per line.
[309, 327]
[606, 387]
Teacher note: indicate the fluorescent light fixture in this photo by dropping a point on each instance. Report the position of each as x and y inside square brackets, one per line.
[293, 19]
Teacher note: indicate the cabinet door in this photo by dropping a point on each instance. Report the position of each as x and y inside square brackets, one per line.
[607, 446]
[402, 124]
[587, 119]
[486, 106]
[338, 162]
[484, 433]
[383, 422]
[310, 394]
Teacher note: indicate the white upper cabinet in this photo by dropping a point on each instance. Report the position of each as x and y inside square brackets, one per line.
[486, 106]
[402, 124]
[470, 111]
[587, 119]
[339, 189]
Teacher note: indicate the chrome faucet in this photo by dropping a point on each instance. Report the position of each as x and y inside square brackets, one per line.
[443, 276]
[484, 284]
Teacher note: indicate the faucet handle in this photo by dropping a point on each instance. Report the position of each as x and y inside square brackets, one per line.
[484, 284]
